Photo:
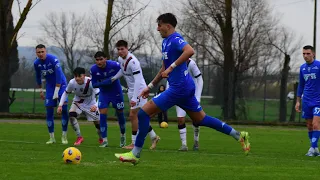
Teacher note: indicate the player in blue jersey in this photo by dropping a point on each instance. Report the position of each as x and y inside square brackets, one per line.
[48, 66]
[110, 92]
[175, 53]
[309, 87]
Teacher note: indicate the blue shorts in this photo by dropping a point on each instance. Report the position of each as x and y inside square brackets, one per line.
[309, 110]
[183, 98]
[105, 100]
[49, 102]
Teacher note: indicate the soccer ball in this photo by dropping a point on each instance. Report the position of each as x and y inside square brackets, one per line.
[71, 155]
[164, 125]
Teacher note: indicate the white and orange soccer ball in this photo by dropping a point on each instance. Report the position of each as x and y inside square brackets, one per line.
[71, 155]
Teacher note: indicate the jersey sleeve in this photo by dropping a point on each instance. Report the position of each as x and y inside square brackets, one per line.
[179, 43]
[137, 75]
[58, 71]
[38, 74]
[301, 84]
[135, 67]
[195, 71]
[70, 86]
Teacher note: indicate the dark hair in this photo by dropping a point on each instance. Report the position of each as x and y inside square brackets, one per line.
[309, 47]
[164, 88]
[39, 46]
[99, 54]
[167, 18]
[122, 43]
[78, 71]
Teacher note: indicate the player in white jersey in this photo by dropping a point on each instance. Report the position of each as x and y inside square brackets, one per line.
[84, 101]
[132, 72]
[196, 75]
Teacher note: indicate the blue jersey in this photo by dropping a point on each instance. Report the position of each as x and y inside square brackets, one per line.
[50, 69]
[309, 82]
[101, 74]
[171, 50]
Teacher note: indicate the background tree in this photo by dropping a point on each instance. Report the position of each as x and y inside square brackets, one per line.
[9, 61]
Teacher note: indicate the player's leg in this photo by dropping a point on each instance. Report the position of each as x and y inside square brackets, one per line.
[97, 125]
[182, 128]
[50, 124]
[307, 114]
[198, 116]
[118, 105]
[64, 117]
[159, 103]
[103, 109]
[316, 130]
[133, 117]
[74, 112]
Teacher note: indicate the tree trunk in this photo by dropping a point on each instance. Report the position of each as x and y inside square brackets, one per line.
[283, 89]
[4, 86]
[228, 71]
[108, 29]
[293, 108]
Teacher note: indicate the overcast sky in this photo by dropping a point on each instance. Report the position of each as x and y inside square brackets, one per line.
[295, 14]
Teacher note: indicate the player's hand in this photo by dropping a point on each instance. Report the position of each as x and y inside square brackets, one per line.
[132, 103]
[42, 95]
[93, 108]
[59, 109]
[165, 74]
[145, 93]
[298, 107]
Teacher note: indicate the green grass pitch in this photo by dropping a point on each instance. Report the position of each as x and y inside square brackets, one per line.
[276, 153]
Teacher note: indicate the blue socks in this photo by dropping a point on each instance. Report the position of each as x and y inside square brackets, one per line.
[144, 123]
[103, 125]
[65, 117]
[216, 124]
[122, 122]
[50, 122]
[315, 138]
[310, 135]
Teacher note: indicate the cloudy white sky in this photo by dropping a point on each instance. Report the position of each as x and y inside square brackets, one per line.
[295, 14]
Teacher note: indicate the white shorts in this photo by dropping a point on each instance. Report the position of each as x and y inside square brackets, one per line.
[85, 109]
[139, 103]
[181, 112]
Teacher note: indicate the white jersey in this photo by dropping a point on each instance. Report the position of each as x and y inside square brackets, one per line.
[84, 93]
[131, 69]
[193, 70]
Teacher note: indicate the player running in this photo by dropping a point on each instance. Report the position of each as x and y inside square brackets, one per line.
[196, 75]
[84, 101]
[131, 69]
[175, 52]
[48, 66]
[110, 92]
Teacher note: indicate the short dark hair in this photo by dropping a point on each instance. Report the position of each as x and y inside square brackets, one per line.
[122, 43]
[99, 54]
[78, 71]
[309, 47]
[39, 46]
[167, 18]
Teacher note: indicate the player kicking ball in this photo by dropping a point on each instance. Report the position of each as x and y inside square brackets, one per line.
[132, 72]
[196, 75]
[84, 101]
[175, 53]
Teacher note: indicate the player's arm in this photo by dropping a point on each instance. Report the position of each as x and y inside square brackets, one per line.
[66, 93]
[300, 86]
[59, 75]
[38, 77]
[117, 76]
[158, 77]
[187, 52]
[138, 77]
[198, 80]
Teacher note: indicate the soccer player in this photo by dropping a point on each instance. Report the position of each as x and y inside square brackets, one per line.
[309, 86]
[84, 101]
[195, 73]
[131, 69]
[110, 92]
[175, 53]
[48, 66]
